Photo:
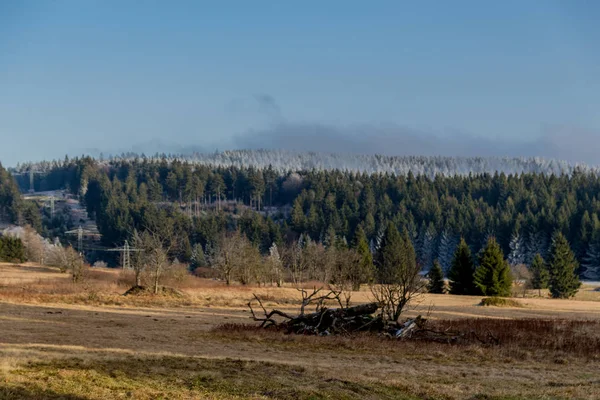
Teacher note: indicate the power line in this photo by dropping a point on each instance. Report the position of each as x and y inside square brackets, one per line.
[31, 172]
[126, 250]
[79, 232]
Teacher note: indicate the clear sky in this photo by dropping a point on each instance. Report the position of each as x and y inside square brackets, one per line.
[109, 75]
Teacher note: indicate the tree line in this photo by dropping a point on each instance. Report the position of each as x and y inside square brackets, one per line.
[490, 274]
[270, 206]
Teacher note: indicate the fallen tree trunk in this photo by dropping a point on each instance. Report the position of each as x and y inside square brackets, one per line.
[324, 321]
[334, 320]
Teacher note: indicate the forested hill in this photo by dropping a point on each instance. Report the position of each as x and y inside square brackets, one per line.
[522, 211]
[283, 161]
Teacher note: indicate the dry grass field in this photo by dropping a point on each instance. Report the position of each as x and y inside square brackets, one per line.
[88, 341]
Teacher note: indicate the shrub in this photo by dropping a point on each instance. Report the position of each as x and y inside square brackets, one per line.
[499, 302]
[12, 249]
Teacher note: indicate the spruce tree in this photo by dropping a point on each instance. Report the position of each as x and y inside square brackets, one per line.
[492, 276]
[461, 271]
[408, 253]
[436, 279]
[298, 217]
[427, 247]
[12, 249]
[539, 274]
[366, 269]
[562, 265]
[390, 256]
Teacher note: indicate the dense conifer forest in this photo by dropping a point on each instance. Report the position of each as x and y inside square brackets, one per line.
[273, 205]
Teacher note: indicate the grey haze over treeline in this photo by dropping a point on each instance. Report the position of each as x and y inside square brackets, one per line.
[564, 143]
[558, 142]
[571, 144]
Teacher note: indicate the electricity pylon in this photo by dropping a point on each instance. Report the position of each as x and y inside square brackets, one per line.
[126, 250]
[79, 232]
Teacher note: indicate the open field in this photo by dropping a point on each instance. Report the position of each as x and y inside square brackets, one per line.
[87, 341]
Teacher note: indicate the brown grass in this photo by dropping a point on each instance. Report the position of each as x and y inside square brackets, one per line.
[87, 341]
[509, 338]
[40, 285]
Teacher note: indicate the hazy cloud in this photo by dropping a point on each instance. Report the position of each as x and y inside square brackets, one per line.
[561, 142]
[261, 105]
[268, 106]
[566, 143]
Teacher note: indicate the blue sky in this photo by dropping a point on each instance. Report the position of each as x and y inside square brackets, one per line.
[517, 77]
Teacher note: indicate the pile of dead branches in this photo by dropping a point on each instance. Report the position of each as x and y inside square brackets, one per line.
[323, 320]
[347, 320]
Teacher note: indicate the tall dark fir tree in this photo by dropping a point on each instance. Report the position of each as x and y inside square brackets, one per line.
[539, 274]
[562, 265]
[492, 277]
[436, 279]
[390, 256]
[462, 270]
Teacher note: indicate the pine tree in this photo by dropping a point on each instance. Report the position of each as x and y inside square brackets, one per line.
[461, 271]
[198, 257]
[539, 274]
[330, 239]
[366, 268]
[408, 254]
[298, 217]
[427, 247]
[436, 279]
[492, 276]
[562, 265]
[390, 256]
[12, 249]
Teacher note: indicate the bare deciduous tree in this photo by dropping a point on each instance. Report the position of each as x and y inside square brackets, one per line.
[399, 280]
[138, 261]
[235, 258]
[68, 260]
[152, 258]
[295, 262]
[275, 265]
[157, 259]
[250, 266]
[35, 246]
[345, 272]
[318, 260]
